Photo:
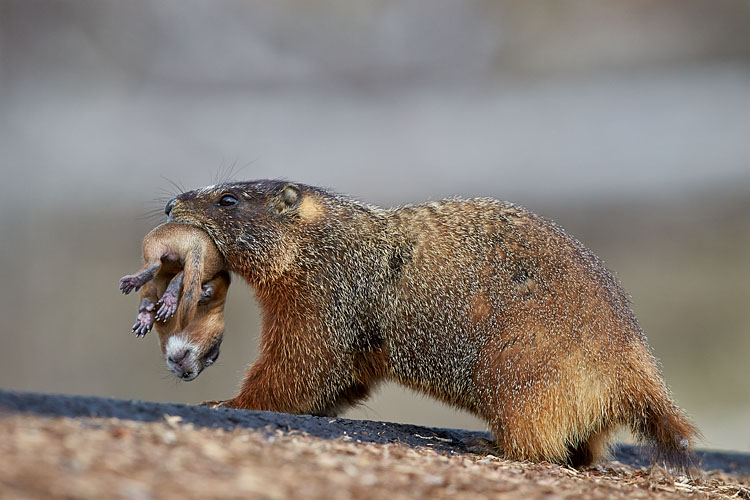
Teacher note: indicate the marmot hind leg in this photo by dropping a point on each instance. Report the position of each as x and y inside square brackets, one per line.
[591, 450]
[482, 446]
[347, 398]
[576, 439]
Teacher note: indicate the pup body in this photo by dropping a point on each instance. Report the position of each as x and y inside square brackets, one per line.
[183, 291]
[479, 303]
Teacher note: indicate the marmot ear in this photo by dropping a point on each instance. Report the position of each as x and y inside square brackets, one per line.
[288, 197]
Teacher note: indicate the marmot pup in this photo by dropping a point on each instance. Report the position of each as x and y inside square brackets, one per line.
[183, 266]
[478, 303]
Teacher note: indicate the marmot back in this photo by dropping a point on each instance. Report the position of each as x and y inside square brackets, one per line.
[478, 303]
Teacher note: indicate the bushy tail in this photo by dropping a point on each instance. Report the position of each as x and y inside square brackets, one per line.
[665, 426]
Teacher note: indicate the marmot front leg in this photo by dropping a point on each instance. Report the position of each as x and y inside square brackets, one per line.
[291, 382]
[135, 281]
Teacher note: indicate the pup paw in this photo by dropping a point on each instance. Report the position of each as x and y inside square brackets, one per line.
[145, 320]
[167, 306]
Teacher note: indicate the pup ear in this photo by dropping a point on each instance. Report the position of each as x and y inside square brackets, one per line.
[288, 198]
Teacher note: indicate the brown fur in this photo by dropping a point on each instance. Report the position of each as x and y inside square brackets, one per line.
[206, 329]
[478, 303]
[183, 259]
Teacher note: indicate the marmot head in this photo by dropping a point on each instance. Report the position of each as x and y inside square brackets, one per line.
[254, 224]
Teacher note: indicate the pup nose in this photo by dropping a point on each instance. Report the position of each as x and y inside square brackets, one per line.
[177, 357]
[169, 207]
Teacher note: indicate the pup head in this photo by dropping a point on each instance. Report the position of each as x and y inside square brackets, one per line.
[188, 352]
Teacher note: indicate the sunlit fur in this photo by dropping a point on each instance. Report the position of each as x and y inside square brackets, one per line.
[478, 303]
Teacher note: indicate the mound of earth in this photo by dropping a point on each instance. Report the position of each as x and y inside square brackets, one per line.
[56, 446]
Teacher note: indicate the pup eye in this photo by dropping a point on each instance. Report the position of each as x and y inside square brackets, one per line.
[227, 200]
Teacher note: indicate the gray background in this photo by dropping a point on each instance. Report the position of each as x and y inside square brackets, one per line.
[625, 122]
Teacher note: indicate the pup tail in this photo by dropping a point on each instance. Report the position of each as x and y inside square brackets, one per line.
[664, 425]
[191, 287]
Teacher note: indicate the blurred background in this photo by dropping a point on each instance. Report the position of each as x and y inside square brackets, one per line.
[628, 123]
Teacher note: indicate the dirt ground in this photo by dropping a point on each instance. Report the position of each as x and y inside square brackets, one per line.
[45, 457]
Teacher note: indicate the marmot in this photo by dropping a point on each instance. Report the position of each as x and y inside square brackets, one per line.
[478, 303]
[182, 266]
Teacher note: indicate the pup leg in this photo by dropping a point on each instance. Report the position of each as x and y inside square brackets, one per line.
[168, 302]
[136, 281]
[214, 291]
[207, 293]
[145, 320]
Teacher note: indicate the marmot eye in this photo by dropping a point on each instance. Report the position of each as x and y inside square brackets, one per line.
[227, 200]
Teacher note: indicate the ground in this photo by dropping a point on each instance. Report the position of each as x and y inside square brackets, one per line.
[171, 457]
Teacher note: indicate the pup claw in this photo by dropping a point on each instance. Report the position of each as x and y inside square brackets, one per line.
[167, 307]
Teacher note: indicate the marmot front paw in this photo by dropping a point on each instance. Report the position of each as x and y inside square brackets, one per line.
[229, 403]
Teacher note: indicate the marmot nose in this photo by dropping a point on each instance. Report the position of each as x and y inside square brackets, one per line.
[170, 205]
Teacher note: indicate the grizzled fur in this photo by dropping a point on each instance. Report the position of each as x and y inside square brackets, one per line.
[478, 303]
